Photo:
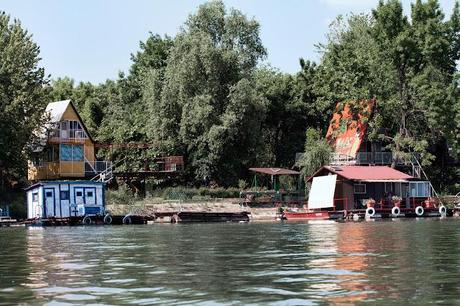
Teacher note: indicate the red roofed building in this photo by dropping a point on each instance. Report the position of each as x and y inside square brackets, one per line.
[355, 185]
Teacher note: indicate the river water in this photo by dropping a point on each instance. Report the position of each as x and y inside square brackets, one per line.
[410, 261]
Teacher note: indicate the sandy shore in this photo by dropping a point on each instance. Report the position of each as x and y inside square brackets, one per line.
[223, 205]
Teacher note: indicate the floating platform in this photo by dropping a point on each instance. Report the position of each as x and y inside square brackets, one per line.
[211, 217]
[160, 217]
[361, 214]
[7, 221]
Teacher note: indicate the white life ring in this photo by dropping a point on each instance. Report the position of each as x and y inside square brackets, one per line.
[127, 220]
[396, 211]
[108, 219]
[370, 211]
[419, 211]
[442, 210]
[86, 220]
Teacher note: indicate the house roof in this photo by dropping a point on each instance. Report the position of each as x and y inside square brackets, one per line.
[367, 173]
[57, 109]
[275, 171]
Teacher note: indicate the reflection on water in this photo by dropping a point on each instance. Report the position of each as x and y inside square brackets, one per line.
[416, 261]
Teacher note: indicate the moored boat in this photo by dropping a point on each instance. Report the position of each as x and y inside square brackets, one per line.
[313, 215]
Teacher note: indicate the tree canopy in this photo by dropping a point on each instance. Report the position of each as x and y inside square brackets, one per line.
[21, 97]
[206, 93]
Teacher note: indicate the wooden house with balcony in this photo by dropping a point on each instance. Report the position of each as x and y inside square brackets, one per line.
[66, 149]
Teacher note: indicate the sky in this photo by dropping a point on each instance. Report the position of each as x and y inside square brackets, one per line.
[92, 40]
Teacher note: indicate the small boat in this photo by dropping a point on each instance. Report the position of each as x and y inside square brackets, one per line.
[313, 215]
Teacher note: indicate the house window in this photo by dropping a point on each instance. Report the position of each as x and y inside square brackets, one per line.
[89, 194]
[52, 153]
[49, 194]
[71, 152]
[65, 195]
[76, 130]
[359, 188]
[35, 197]
[79, 194]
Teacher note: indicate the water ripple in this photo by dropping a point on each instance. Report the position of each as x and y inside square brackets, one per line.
[232, 264]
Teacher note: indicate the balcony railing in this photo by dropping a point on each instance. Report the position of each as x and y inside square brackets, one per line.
[375, 158]
[61, 169]
[366, 158]
[68, 135]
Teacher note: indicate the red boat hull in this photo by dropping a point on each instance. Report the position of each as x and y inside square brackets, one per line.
[318, 215]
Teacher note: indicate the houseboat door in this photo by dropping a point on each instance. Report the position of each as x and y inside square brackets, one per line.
[37, 209]
[79, 201]
[90, 202]
[49, 202]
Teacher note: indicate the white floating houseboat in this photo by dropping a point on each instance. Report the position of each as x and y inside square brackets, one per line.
[57, 200]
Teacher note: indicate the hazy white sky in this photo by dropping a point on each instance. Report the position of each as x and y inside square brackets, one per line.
[91, 40]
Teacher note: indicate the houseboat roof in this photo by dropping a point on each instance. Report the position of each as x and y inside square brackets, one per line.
[44, 183]
[274, 171]
[367, 173]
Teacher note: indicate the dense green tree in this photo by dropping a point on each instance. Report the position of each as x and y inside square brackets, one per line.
[21, 97]
[317, 153]
[125, 115]
[208, 101]
[291, 107]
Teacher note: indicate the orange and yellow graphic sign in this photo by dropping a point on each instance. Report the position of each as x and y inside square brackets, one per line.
[348, 126]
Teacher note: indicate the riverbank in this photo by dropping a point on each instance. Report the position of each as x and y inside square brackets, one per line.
[230, 205]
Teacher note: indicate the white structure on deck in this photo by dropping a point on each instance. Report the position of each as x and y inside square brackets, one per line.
[64, 199]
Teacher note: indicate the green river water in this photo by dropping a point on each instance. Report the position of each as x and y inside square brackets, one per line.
[387, 262]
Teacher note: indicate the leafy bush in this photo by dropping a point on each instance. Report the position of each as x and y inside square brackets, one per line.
[121, 196]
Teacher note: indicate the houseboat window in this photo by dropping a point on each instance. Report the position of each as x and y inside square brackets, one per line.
[79, 193]
[420, 189]
[388, 187]
[49, 194]
[359, 188]
[35, 197]
[71, 152]
[398, 190]
[65, 195]
[89, 194]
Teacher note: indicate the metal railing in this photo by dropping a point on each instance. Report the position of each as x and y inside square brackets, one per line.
[70, 134]
[95, 167]
[365, 158]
